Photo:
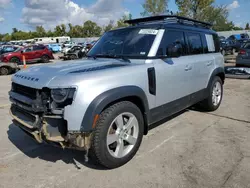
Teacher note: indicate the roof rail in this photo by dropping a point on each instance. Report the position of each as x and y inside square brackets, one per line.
[169, 19]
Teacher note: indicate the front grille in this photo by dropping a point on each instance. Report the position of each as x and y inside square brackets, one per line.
[23, 90]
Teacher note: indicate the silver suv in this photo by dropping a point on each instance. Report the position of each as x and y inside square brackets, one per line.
[132, 78]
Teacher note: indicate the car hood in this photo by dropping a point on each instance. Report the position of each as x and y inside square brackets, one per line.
[40, 76]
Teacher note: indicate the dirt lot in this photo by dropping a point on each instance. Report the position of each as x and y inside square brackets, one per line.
[193, 150]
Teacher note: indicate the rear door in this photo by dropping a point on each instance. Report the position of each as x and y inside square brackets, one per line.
[38, 51]
[245, 52]
[202, 61]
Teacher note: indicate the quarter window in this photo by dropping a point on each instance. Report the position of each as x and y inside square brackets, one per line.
[194, 43]
[39, 48]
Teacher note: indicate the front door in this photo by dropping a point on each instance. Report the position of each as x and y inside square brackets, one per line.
[172, 76]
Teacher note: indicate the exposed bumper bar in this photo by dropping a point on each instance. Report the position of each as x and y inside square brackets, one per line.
[41, 130]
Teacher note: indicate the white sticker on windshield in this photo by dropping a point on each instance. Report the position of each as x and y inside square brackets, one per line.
[210, 43]
[148, 32]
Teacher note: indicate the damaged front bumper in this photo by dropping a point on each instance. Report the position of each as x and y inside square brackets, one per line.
[49, 129]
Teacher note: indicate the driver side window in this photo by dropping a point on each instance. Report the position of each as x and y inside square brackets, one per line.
[172, 39]
[28, 49]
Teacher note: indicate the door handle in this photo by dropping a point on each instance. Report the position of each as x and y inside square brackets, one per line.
[188, 68]
[209, 63]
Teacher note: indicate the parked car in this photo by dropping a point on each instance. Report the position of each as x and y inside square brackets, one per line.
[76, 52]
[133, 77]
[243, 58]
[68, 43]
[8, 48]
[54, 47]
[33, 53]
[8, 68]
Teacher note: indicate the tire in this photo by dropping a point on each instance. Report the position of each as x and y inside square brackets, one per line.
[233, 51]
[223, 52]
[110, 155]
[15, 60]
[4, 71]
[45, 59]
[209, 104]
[72, 57]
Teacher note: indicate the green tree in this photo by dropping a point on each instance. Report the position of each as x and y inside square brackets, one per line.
[60, 30]
[205, 10]
[91, 29]
[121, 22]
[154, 7]
[109, 27]
[247, 26]
[40, 31]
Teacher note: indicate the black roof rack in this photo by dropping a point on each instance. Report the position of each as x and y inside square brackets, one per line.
[169, 19]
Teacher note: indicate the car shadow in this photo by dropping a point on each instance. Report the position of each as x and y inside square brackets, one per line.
[45, 152]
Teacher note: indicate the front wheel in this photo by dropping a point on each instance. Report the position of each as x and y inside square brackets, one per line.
[4, 71]
[214, 99]
[118, 135]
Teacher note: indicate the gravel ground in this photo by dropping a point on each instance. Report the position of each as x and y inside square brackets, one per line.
[193, 150]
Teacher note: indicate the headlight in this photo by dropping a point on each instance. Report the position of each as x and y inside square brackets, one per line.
[60, 95]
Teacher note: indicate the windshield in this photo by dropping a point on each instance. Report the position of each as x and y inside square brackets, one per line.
[129, 42]
[18, 49]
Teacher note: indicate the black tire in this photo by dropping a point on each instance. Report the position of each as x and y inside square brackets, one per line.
[99, 151]
[4, 71]
[72, 57]
[45, 59]
[207, 104]
[15, 60]
[233, 51]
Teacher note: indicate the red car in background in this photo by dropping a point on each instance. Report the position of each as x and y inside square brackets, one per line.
[33, 53]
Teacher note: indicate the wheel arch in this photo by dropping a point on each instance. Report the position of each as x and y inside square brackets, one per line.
[219, 71]
[133, 94]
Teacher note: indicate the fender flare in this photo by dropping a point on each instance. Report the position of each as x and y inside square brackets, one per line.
[216, 71]
[104, 99]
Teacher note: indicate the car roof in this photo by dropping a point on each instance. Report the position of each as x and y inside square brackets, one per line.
[171, 21]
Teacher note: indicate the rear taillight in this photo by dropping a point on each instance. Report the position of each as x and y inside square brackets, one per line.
[242, 52]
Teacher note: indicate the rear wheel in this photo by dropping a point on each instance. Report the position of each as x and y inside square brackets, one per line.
[4, 71]
[118, 135]
[15, 60]
[72, 57]
[214, 99]
[45, 59]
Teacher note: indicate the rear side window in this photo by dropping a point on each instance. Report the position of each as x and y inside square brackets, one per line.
[246, 46]
[172, 38]
[194, 43]
[39, 48]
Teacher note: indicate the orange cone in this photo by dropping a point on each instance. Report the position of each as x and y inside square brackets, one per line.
[24, 62]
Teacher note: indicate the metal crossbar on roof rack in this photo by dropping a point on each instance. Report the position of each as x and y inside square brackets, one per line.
[169, 19]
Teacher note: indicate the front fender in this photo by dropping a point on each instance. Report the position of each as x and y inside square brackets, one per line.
[106, 98]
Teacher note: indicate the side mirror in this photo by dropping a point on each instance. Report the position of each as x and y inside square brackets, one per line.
[175, 50]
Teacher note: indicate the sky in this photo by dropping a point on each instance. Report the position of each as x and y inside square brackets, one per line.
[27, 14]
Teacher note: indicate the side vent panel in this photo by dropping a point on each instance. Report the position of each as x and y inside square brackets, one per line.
[152, 81]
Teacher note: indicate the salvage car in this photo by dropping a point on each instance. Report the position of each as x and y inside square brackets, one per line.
[8, 48]
[33, 53]
[76, 52]
[243, 58]
[133, 77]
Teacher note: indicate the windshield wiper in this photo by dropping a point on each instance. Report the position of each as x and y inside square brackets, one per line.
[110, 56]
